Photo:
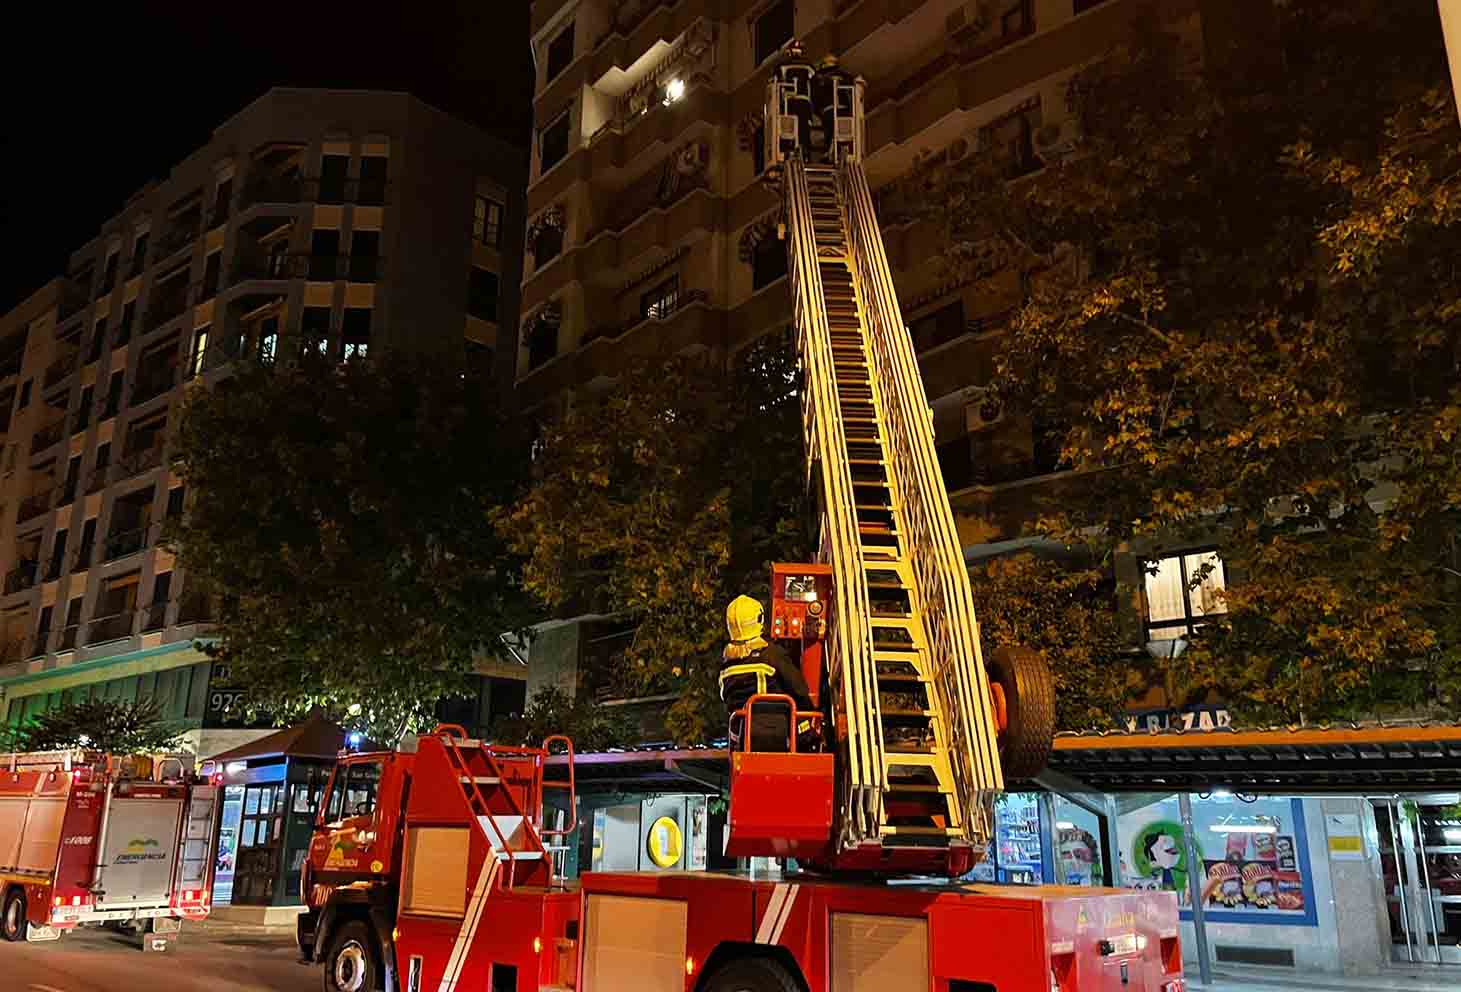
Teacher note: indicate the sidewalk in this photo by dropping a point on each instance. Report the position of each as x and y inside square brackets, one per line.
[1399, 978]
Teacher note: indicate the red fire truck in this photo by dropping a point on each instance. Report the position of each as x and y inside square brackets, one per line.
[96, 838]
[432, 868]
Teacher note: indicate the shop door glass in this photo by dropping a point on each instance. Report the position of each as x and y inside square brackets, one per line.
[261, 831]
[1420, 861]
[227, 844]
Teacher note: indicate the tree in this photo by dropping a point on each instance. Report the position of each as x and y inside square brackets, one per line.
[1244, 319]
[339, 515]
[109, 725]
[552, 711]
[660, 502]
[1069, 616]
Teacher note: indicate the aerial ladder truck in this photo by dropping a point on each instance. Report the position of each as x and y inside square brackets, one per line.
[432, 866]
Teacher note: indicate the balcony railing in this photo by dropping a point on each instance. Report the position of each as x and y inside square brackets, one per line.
[138, 460]
[48, 435]
[154, 616]
[21, 577]
[662, 310]
[33, 506]
[270, 189]
[58, 370]
[125, 542]
[153, 382]
[111, 628]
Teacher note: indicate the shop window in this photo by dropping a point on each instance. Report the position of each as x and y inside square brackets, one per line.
[560, 53]
[553, 142]
[1182, 591]
[773, 29]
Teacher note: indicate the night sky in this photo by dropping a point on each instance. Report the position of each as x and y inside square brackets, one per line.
[97, 104]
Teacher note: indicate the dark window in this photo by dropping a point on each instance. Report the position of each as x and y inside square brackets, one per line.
[769, 262]
[355, 332]
[109, 274]
[58, 556]
[479, 357]
[560, 52]
[1081, 6]
[661, 301]
[774, 28]
[364, 256]
[139, 255]
[156, 616]
[212, 269]
[83, 409]
[487, 222]
[124, 329]
[222, 202]
[374, 170]
[542, 344]
[98, 338]
[73, 474]
[175, 498]
[758, 150]
[114, 393]
[482, 294]
[24, 395]
[547, 245]
[324, 250]
[553, 143]
[314, 326]
[103, 457]
[939, 327]
[332, 178]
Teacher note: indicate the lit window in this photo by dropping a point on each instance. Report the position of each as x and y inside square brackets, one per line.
[1181, 591]
[487, 222]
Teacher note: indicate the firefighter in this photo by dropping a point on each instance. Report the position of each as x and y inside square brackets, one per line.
[830, 104]
[751, 665]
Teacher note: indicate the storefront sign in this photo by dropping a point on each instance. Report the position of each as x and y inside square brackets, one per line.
[1346, 843]
[1188, 718]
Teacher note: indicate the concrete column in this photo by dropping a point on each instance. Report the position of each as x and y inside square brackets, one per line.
[1361, 919]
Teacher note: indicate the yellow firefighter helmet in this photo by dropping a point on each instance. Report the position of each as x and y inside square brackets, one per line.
[744, 618]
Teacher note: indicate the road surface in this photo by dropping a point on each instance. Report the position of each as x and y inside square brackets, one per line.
[210, 958]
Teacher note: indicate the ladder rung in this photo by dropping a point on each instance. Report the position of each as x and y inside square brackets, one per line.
[483, 779]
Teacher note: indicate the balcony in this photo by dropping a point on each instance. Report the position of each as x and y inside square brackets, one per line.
[273, 266]
[54, 568]
[270, 189]
[112, 628]
[48, 435]
[152, 383]
[37, 646]
[122, 543]
[58, 370]
[171, 303]
[21, 578]
[139, 460]
[175, 238]
[33, 506]
[661, 310]
[81, 557]
[154, 616]
[68, 638]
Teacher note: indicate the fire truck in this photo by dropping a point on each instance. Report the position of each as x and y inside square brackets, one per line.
[91, 838]
[432, 867]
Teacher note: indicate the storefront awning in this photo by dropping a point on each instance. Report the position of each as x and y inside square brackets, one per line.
[312, 737]
[1359, 758]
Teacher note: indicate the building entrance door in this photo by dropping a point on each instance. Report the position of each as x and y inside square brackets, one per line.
[260, 839]
[1420, 860]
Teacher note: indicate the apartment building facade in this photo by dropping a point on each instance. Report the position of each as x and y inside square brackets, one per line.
[650, 230]
[342, 221]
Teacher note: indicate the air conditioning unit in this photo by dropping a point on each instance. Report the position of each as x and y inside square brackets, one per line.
[982, 409]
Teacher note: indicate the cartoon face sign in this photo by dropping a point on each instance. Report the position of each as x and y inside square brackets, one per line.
[1164, 851]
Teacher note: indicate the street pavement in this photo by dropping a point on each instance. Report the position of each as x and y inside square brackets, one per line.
[207, 957]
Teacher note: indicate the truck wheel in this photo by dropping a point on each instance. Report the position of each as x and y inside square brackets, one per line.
[13, 923]
[353, 961]
[750, 975]
[1029, 700]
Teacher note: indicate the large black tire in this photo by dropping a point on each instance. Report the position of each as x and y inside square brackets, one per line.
[13, 924]
[1029, 695]
[352, 964]
[750, 975]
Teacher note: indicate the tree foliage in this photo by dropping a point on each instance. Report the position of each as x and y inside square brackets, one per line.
[552, 711]
[1242, 318]
[339, 514]
[110, 725]
[661, 501]
[1068, 615]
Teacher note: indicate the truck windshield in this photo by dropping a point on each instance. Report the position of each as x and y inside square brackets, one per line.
[353, 793]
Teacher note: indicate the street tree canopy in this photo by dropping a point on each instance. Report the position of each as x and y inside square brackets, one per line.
[340, 516]
[111, 725]
[662, 500]
[1242, 324]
